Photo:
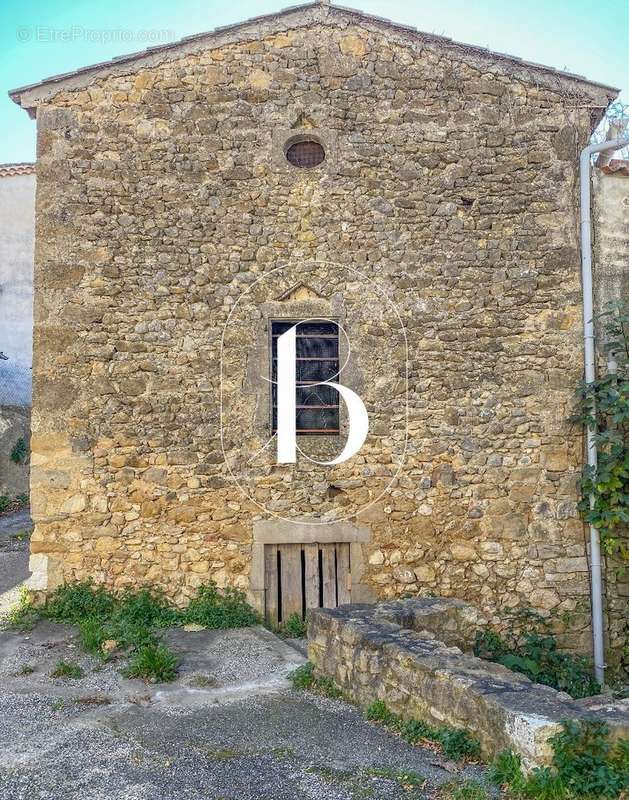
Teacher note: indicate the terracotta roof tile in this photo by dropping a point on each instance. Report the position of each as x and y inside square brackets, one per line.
[617, 166]
[24, 168]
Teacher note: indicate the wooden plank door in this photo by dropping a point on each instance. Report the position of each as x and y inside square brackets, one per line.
[302, 576]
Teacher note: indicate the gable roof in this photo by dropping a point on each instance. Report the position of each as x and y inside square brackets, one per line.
[298, 17]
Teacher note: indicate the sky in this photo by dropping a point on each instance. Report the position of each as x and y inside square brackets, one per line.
[40, 38]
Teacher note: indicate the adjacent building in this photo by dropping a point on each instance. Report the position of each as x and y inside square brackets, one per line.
[17, 237]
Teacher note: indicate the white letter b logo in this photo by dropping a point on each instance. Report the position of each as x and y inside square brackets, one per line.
[358, 421]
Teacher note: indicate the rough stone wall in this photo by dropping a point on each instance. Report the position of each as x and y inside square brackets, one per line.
[453, 182]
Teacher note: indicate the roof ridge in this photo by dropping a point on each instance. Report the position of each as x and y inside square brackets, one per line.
[323, 12]
[17, 168]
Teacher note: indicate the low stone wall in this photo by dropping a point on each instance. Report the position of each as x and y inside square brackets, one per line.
[410, 655]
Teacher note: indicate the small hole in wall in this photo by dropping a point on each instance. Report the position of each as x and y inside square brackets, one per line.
[305, 154]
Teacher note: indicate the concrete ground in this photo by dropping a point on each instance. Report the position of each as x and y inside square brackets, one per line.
[229, 728]
[15, 530]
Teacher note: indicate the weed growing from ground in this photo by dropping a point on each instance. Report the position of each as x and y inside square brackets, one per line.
[154, 663]
[586, 765]
[213, 609]
[294, 628]
[130, 621]
[456, 743]
[468, 790]
[67, 669]
[406, 778]
[304, 678]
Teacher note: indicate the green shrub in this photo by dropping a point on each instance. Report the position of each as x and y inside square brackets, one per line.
[458, 744]
[294, 628]
[154, 663]
[5, 502]
[416, 730]
[586, 765]
[75, 602]
[214, 609]
[66, 669]
[19, 451]
[533, 652]
[378, 712]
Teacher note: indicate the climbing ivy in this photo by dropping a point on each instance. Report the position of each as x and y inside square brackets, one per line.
[604, 405]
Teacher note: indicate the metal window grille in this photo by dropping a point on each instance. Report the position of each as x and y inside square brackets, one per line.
[305, 154]
[317, 360]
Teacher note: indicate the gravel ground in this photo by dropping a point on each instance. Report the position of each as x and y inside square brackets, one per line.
[244, 736]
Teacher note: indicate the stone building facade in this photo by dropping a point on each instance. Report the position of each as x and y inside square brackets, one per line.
[441, 228]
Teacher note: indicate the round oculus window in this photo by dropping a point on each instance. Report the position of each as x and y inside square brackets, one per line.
[305, 154]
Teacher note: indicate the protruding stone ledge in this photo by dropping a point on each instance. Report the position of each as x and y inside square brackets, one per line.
[396, 652]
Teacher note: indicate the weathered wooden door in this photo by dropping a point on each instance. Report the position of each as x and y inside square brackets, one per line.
[303, 576]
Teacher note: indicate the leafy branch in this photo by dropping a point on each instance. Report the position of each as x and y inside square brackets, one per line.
[603, 405]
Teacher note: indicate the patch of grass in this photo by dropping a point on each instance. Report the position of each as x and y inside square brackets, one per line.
[224, 754]
[92, 635]
[294, 628]
[456, 744]
[154, 663]
[25, 670]
[131, 620]
[586, 765]
[407, 779]
[67, 669]
[5, 502]
[304, 678]
[282, 753]
[468, 790]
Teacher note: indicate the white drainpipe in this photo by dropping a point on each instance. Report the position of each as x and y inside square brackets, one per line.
[596, 587]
